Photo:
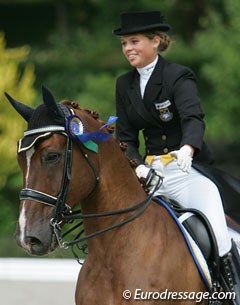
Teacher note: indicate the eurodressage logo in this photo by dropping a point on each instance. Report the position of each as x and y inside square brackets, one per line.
[165, 114]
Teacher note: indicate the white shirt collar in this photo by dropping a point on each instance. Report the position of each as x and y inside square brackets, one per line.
[147, 70]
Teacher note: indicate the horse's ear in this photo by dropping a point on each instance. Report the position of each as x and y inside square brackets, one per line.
[50, 103]
[24, 110]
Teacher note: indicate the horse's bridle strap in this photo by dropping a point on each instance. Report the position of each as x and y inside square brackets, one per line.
[38, 196]
[58, 202]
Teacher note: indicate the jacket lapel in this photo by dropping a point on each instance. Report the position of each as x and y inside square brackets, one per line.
[155, 84]
[136, 99]
[152, 91]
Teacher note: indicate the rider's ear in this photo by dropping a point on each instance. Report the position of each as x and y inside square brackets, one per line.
[24, 110]
[49, 101]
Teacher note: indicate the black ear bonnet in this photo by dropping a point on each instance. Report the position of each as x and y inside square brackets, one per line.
[43, 120]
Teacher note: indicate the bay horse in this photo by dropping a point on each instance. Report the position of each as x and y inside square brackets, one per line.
[145, 255]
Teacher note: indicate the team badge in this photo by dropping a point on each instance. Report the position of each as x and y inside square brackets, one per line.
[165, 114]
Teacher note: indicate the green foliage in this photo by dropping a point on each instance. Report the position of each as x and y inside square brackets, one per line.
[217, 48]
[18, 83]
[95, 98]
[66, 63]
[213, 55]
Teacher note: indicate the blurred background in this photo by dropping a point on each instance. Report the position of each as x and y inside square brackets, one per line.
[68, 46]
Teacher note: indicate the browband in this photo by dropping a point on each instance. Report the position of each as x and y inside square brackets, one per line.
[50, 128]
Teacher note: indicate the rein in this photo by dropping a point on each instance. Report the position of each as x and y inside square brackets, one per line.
[63, 212]
[139, 208]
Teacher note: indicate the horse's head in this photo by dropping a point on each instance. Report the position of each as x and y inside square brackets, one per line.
[46, 156]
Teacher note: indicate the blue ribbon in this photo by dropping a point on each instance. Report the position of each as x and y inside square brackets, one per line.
[111, 120]
[76, 129]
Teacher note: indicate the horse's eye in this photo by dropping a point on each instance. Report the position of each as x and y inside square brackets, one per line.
[51, 157]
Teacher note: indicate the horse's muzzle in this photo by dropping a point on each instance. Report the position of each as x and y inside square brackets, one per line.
[36, 243]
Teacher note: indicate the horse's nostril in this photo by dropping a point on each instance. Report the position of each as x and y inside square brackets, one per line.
[35, 245]
[31, 240]
[39, 243]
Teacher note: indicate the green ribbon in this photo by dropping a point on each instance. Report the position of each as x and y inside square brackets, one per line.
[91, 146]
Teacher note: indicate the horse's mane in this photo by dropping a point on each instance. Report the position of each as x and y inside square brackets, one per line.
[95, 115]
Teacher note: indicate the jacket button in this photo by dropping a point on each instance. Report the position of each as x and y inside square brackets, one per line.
[165, 150]
[164, 137]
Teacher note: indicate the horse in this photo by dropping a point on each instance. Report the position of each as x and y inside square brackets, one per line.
[133, 254]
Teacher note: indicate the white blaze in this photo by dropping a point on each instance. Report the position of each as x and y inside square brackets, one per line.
[22, 216]
[29, 155]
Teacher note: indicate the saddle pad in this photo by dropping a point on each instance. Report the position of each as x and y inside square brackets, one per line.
[199, 258]
[192, 246]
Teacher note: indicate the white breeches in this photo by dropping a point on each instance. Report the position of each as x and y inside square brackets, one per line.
[195, 191]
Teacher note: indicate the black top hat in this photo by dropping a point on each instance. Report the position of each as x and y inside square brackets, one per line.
[137, 22]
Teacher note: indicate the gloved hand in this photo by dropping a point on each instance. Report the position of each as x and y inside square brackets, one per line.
[151, 176]
[183, 157]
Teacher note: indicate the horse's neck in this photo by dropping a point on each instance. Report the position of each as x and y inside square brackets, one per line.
[119, 188]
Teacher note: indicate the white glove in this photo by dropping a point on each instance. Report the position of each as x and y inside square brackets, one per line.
[151, 176]
[183, 157]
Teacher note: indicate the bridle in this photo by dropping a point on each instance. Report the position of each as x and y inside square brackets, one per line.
[58, 202]
[63, 212]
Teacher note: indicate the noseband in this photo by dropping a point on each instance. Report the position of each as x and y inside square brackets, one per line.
[59, 202]
[62, 211]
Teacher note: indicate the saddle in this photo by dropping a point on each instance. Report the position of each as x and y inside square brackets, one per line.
[200, 230]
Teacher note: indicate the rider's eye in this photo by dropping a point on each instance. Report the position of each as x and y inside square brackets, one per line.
[51, 157]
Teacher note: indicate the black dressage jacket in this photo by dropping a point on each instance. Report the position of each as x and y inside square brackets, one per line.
[169, 115]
